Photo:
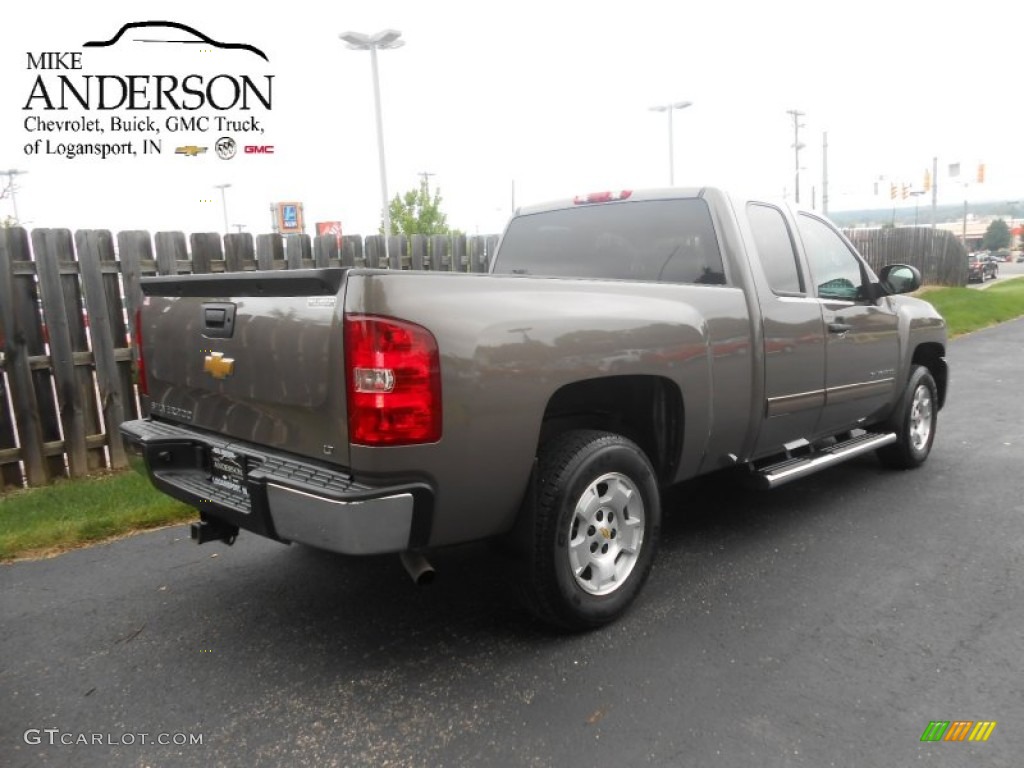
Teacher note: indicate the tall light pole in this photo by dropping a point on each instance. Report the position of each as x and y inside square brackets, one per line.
[670, 108]
[10, 174]
[384, 40]
[224, 203]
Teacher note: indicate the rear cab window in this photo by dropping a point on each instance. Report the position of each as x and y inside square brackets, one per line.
[775, 249]
[666, 241]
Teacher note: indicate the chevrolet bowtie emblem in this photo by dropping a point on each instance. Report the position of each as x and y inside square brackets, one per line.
[218, 366]
[190, 151]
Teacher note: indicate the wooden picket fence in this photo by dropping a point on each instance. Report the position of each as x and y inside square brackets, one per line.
[65, 307]
[937, 253]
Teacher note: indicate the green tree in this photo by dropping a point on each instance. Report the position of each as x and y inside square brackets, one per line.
[417, 212]
[996, 236]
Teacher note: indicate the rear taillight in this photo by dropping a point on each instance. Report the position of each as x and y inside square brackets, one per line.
[393, 378]
[140, 363]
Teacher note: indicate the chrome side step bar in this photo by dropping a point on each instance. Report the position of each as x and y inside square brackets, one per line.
[774, 475]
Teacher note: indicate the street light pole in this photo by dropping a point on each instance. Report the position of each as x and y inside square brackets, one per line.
[385, 39]
[671, 141]
[224, 203]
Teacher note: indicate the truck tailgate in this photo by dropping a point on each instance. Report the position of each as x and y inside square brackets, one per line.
[257, 356]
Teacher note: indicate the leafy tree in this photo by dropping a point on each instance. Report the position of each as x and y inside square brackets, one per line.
[996, 236]
[417, 212]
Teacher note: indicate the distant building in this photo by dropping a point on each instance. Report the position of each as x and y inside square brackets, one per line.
[976, 228]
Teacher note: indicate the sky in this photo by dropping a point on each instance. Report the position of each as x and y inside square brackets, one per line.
[521, 103]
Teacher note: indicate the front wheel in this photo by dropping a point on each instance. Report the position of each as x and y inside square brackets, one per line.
[595, 521]
[914, 422]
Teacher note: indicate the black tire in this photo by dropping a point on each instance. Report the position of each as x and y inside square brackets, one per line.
[914, 422]
[585, 563]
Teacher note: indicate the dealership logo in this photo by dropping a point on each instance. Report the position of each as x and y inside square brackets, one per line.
[197, 37]
[225, 147]
[169, 77]
[958, 730]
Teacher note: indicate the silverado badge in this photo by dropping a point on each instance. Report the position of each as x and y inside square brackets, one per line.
[218, 366]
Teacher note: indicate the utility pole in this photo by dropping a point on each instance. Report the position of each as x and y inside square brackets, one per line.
[935, 187]
[425, 175]
[916, 194]
[824, 173]
[797, 146]
[11, 173]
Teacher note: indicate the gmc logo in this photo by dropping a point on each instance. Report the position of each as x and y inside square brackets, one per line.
[259, 149]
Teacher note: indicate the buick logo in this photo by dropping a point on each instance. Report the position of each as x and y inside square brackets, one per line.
[225, 147]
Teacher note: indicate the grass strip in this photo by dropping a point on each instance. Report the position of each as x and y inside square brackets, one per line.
[69, 513]
[969, 309]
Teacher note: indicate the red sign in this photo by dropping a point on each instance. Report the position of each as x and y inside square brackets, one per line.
[328, 228]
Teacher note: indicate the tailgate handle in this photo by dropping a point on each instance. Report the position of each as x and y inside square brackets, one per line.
[218, 320]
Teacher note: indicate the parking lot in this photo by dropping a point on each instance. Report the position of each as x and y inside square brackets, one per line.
[822, 624]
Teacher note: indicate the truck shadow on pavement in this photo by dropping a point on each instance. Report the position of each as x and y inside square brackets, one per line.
[369, 605]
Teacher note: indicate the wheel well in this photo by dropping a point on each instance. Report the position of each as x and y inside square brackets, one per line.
[646, 409]
[932, 357]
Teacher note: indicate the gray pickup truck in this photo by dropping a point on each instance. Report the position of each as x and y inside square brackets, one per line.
[622, 343]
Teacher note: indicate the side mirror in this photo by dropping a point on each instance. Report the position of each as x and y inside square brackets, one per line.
[900, 278]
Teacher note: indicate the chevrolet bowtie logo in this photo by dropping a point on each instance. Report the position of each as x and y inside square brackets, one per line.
[190, 151]
[218, 366]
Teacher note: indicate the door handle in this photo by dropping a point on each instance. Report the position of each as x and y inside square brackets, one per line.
[839, 327]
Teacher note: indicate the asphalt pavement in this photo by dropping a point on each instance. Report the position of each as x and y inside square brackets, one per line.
[825, 623]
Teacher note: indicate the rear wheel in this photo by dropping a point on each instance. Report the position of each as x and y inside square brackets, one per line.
[594, 527]
[914, 422]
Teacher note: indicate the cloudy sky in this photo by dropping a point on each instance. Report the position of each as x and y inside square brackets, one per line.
[547, 98]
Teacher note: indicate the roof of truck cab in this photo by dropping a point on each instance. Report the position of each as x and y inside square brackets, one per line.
[739, 197]
[665, 193]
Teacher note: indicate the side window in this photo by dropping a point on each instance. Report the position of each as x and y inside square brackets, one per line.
[836, 271]
[775, 248]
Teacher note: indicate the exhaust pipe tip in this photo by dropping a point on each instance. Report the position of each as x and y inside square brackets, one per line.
[418, 568]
